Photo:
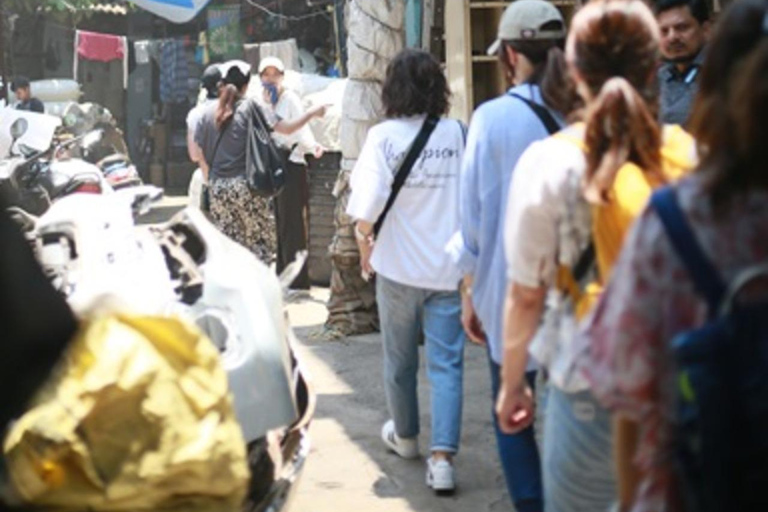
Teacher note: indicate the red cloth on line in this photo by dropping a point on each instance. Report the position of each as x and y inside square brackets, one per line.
[100, 47]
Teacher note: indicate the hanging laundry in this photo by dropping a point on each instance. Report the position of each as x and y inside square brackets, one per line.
[101, 47]
[225, 40]
[174, 72]
[94, 46]
[155, 48]
[252, 54]
[202, 56]
[142, 52]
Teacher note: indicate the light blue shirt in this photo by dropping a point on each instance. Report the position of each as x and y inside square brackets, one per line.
[501, 130]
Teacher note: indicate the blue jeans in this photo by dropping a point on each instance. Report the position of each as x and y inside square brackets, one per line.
[519, 454]
[578, 466]
[405, 312]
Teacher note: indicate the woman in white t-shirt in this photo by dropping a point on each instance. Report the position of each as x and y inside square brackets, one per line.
[292, 204]
[416, 286]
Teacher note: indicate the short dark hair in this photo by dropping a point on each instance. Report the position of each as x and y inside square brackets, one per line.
[236, 77]
[210, 80]
[699, 8]
[20, 82]
[415, 84]
[730, 114]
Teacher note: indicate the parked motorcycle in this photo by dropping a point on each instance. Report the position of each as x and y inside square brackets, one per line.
[89, 246]
[32, 180]
[109, 152]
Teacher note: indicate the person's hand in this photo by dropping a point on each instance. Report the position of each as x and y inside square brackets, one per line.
[515, 408]
[366, 249]
[469, 320]
[318, 111]
[318, 152]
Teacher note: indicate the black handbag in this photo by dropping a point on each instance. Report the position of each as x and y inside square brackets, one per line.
[264, 166]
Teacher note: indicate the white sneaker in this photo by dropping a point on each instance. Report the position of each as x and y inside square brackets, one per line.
[440, 475]
[407, 448]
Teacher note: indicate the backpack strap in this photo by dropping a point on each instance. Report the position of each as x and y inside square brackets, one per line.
[218, 141]
[430, 123]
[705, 276]
[588, 257]
[585, 263]
[547, 119]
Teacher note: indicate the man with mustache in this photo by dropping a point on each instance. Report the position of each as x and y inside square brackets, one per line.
[684, 28]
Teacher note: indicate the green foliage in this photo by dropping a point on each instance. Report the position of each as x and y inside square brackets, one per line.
[72, 6]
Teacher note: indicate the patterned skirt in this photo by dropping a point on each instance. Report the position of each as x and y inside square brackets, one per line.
[244, 217]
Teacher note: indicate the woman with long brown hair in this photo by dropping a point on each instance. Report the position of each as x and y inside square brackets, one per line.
[655, 297]
[572, 200]
[221, 133]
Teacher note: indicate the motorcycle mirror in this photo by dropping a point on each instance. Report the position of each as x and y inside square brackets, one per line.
[93, 137]
[19, 128]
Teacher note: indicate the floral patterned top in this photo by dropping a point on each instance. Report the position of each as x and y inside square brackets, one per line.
[651, 299]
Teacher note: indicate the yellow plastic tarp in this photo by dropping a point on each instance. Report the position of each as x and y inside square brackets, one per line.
[137, 417]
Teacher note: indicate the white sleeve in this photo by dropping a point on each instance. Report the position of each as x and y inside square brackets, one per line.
[531, 224]
[371, 180]
[303, 137]
[192, 119]
[270, 116]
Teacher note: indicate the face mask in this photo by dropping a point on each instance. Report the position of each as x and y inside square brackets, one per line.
[271, 89]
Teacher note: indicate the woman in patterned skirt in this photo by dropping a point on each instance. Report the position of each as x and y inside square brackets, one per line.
[221, 133]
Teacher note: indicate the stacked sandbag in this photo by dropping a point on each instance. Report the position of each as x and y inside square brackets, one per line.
[376, 35]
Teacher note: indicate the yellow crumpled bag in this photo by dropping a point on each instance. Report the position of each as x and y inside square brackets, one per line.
[137, 416]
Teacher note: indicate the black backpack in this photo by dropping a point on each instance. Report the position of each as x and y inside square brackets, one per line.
[721, 379]
[264, 166]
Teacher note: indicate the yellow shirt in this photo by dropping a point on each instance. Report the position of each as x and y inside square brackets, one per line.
[631, 190]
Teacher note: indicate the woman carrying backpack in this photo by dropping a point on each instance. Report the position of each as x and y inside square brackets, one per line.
[573, 197]
[416, 282]
[658, 299]
[222, 135]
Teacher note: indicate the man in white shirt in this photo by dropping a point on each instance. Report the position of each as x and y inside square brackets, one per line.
[292, 205]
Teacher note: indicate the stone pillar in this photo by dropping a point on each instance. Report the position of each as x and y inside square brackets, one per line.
[375, 35]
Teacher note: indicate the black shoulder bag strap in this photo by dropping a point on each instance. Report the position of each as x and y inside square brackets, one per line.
[549, 122]
[216, 146]
[585, 263]
[405, 167]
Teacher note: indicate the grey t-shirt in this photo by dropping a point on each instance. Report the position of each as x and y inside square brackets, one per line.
[229, 161]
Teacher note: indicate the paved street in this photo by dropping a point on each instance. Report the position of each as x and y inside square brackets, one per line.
[349, 470]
